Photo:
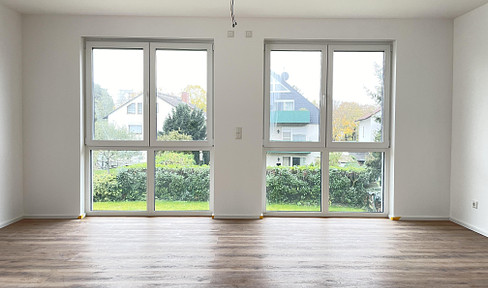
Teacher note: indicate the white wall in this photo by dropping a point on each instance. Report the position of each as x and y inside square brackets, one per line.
[52, 104]
[469, 168]
[11, 190]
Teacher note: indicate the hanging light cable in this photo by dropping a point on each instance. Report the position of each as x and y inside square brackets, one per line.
[232, 15]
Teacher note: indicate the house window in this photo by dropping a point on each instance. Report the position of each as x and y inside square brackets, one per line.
[299, 137]
[334, 124]
[277, 86]
[285, 105]
[135, 129]
[286, 134]
[286, 161]
[131, 108]
[147, 156]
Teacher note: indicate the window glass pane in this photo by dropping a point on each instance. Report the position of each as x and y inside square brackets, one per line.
[118, 180]
[182, 180]
[356, 182]
[181, 83]
[118, 84]
[139, 108]
[358, 92]
[293, 181]
[295, 95]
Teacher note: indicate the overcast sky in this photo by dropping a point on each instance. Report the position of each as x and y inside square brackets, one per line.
[353, 71]
[123, 70]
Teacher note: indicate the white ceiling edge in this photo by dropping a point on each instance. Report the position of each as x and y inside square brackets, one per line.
[312, 9]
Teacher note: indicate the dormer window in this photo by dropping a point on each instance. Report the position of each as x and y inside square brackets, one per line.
[277, 87]
[131, 108]
[285, 105]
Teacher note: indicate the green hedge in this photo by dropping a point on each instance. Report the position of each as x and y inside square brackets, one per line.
[183, 184]
[172, 184]
[293, 185]
[298, 185]
[350, 186]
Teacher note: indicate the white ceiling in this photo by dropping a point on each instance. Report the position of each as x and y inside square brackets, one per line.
[252, 8]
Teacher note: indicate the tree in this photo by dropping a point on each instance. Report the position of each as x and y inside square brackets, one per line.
[377, 93]
[374, 161]
[198, 96]
[174, 158]
[174, 136]
[345, 119]
[103, 102]
[186, 121]
[108, 159]
[107, 131]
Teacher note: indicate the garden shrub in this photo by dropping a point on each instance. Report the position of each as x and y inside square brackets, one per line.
[105, 186]
[173, 183]
[299, 185]
[349, 186]
[293, 185]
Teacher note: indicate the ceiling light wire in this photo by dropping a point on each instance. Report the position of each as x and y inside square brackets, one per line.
[232, 15]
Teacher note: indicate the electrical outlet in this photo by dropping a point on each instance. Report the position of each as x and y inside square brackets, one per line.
[474, 204]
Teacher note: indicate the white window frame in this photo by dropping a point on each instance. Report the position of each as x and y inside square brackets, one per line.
[286, 101]
[325, 145]
[89, 124]
[153, 116]
[386, 97]
[149, 110]
[267, 78]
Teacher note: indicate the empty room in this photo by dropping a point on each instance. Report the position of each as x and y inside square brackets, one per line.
[243, 143]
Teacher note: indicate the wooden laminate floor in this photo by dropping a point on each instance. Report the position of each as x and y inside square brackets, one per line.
[273, 252]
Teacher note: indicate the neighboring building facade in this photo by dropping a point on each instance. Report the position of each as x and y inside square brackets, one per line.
[369, 126]
[129, 116]
[293, 118]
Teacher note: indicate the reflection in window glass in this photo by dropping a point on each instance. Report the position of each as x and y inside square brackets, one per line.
[181, 84]
[118, 180]
[358, 92]
[182, 180]
[356, 182]
[295, 95]
[118, 83]
[293, 181]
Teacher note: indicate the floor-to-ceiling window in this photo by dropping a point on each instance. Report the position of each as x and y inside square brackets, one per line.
[149, 127]
[326, 128]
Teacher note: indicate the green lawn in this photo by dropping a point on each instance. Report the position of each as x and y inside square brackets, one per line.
[198, 206]
[291, 207]
[141, 206]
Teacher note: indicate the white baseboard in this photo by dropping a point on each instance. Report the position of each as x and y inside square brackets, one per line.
[234, 216]
[12, 221]
[50, 216]
[424, 218]
[470, 227]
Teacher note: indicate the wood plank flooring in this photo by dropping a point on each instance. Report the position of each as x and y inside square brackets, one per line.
[273, 252]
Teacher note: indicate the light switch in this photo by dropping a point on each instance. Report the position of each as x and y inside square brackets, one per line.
[239, 133]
